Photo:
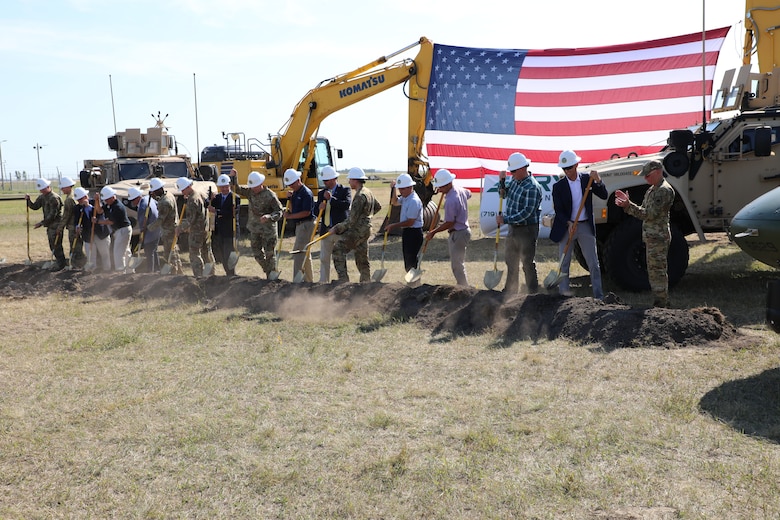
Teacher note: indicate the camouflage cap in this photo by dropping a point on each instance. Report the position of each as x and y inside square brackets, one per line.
[652, 165]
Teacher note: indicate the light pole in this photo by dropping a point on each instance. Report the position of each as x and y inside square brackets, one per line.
[37, 148]
[2, 168]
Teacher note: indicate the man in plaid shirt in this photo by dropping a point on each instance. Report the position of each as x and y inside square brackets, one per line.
[523, 207]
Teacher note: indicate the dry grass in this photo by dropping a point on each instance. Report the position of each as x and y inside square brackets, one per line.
[159, 410]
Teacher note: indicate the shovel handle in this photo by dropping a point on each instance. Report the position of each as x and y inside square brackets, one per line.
[573, 227]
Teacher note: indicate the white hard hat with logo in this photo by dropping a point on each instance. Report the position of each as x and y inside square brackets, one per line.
[328, 173]
[106, 193]
[66, 182]
[357, 174]
[255, 179]
[223, 180]
[568, 159]
[79, 193]
[290, 176]
[404, 181]
[133, 193]
[42, 184]
[182, 183]
[517, 161]
[442, 178]
[156, 183]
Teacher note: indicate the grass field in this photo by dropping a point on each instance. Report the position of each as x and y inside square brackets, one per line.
[156, 409]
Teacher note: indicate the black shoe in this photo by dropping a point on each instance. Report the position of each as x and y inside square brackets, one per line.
[58, 267]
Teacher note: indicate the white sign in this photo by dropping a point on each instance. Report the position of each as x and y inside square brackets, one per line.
[489, 204]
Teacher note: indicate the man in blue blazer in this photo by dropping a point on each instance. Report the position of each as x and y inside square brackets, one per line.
[567, 195]
[334, 200]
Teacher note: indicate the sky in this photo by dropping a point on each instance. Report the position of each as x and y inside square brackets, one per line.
[74, 72]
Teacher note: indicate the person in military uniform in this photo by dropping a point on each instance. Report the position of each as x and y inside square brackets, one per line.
[654, 214]
[225, 206]
[77, 257]
[167, 220]
[52, 216]
[196, 223]
[356, 230]
[265, 210]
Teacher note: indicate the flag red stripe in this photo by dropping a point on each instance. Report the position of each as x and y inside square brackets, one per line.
[608, 126]
[603, 97]
[538, 156]
[615, 69]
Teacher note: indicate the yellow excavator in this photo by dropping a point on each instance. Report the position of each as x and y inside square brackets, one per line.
[298, 146]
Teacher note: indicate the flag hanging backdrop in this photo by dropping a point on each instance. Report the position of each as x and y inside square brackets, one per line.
[484, 104]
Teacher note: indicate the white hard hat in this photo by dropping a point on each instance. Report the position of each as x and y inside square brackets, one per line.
[223, 180]
[357, 174]
[66, 182]
[290, 176]
[404, 181]
[156, 183]
[42, 184]
[107, 192]
[133, 193]
[255, 179]
[568, 158]
[328, 173]
[517, 161]
[182, 183]
[442, 178]
[79, 193]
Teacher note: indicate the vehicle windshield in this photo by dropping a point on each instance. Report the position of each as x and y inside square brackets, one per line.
[129, 171]
[173, 170]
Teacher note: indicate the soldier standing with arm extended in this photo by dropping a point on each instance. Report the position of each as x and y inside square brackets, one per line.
[67, 222]
[196, 223]
[52, 215]
[654, 214]
[265, 210]
[523, 208]
[167, 220]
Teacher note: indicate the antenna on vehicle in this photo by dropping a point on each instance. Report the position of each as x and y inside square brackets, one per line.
[703, 69]
[111, 85]
[197, 137]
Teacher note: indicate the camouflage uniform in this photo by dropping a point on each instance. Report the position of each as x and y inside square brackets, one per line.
[196, 222]
[654, 213]
[167, 220]
[263, 236]
[355, 232]
[52, 216]
[68, 221]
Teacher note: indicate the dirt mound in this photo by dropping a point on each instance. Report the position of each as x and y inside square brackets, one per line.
[445, 310]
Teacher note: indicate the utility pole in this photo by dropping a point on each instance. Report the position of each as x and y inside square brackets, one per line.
[2, 167]
[37, 148]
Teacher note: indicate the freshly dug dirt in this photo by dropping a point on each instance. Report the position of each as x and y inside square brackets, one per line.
[444, 310]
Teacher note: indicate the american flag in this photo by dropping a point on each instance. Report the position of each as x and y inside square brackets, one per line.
[484, 104]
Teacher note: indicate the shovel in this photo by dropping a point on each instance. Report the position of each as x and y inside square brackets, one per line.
[233, 258]
[166, 269]
[299, 276]
[492, 278]
[73, 245]
[208, 267]
[298, 251]
[136, 260]
[90, 264]
[274, 275]
[50, 263]
[380, 273]
[554, 278]
[29, 260]
[415, 273]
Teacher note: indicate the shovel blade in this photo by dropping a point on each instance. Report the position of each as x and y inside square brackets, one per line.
[47, 264]
[413, 275]
[553, 279]
[166, 269]
[298, 278]
[208, 269]
[232, 260]
[273, 276]
[134, 263]
[493, 278]
[378, 275]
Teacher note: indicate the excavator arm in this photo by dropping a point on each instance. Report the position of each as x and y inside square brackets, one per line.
[344, 90]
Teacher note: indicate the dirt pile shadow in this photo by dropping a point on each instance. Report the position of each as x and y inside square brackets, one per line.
[444, 310]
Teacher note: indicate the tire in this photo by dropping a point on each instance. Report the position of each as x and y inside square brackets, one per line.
[624, 256]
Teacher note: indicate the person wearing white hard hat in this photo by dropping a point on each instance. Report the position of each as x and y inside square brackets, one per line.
[146, 209]
[302, 214]
[333, 201]
[76, 253]
[356, 230]
[167, 220]
[196, 224]
[574, 224]
[96, 238]
[113, 213]
[455, 222]
[523, 207]
[265, 210]
[225, 206]
[410, 219]
[51, 203]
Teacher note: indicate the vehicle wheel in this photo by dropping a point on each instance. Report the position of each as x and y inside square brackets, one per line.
[624, 256]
